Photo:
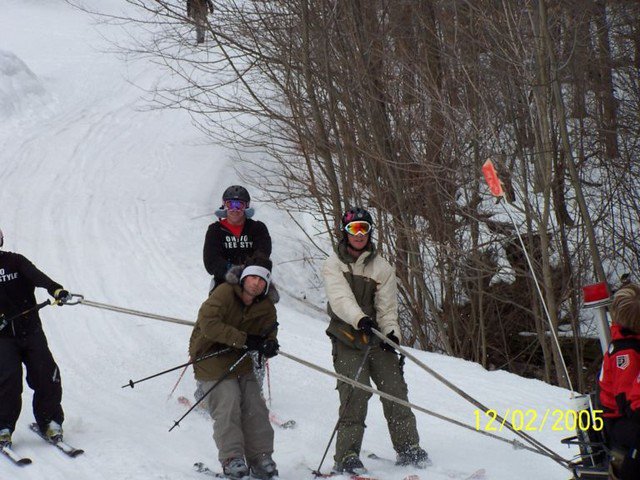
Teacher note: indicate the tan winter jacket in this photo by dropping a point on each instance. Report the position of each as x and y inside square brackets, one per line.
[224, 321]
[356, 288]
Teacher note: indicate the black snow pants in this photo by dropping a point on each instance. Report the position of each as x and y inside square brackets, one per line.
[43, 377]
[624, 435]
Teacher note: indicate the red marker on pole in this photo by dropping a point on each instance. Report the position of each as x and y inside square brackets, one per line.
[491, 177]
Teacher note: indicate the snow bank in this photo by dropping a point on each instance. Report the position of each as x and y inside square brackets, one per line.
[20, 88]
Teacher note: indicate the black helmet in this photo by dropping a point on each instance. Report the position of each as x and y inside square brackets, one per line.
[356, 214]
[236, 192]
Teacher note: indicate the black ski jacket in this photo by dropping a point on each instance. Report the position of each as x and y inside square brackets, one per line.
[222, 249]
[18, 281]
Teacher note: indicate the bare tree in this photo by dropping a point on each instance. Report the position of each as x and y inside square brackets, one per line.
[395, 104]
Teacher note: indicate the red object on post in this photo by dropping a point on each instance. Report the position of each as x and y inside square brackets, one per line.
[595, 295]
[491, 177]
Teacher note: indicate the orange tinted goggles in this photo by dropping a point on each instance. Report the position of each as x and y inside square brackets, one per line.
[357, 228]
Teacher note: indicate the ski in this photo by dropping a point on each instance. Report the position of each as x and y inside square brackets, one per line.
[373, 456]
[345, 476]
[278, 422]
[349, 476]
[59, 444]
[12, 455]
[202, 468]
[479, 474]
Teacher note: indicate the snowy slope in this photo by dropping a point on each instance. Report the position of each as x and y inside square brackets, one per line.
[108, 197]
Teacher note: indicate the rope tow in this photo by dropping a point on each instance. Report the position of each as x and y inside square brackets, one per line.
[537, 447]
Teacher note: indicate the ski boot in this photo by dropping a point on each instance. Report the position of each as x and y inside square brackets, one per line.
[5, 437]
[235, 468]
[413, 455]
[351, 463]
[264, 467]
[54, 431]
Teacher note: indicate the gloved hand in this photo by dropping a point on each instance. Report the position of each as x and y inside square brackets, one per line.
[61, 295]
[366, 324]
[269, 348]
[386, 346]
[254, 342]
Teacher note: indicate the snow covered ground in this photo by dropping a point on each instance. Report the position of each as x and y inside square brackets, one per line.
[108, 197]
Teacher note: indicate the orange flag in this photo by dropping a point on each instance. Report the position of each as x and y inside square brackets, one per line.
[491, 176]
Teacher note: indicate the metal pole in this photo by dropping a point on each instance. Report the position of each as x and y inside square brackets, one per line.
[465, 395]
[515, 443]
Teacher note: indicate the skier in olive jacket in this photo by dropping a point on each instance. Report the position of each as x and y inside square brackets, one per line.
[22, 341]
[238, 314]
[362, 293]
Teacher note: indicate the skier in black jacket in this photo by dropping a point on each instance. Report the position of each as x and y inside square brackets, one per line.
[235, 237]
[22, 340]
[230, 242]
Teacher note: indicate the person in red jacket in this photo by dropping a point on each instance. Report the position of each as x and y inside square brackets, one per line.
[620, 383]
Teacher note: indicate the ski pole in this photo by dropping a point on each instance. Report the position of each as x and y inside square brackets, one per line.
[535, 443]
[346, 404]
[6, 321]
[177, 382]
[266, 366]
[191, 362]
[226, 374]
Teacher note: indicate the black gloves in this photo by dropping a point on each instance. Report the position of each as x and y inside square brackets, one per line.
[253, 342]
[269, 348]
[266, 346]
[366, 324]
[386, 346]
[61, 295]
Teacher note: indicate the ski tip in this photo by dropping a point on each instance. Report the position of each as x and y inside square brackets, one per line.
[24, 461]
[289, 424]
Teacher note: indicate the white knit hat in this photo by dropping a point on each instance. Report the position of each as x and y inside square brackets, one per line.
[258, 271]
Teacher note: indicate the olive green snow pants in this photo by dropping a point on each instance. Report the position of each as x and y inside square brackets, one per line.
[384, 368]
[241, 426]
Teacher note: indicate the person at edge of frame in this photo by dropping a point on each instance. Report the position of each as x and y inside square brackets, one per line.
[22, 341]
[619, 385]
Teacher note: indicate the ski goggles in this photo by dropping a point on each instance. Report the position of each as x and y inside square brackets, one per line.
[359, 227]
[235, 205]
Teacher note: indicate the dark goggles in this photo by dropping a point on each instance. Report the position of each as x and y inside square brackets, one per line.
[359, 227]
[235, 205]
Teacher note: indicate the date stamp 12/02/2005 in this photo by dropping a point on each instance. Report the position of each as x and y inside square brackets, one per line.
[531, 420]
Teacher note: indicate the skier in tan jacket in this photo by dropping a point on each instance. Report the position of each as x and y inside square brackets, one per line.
[362, 293]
